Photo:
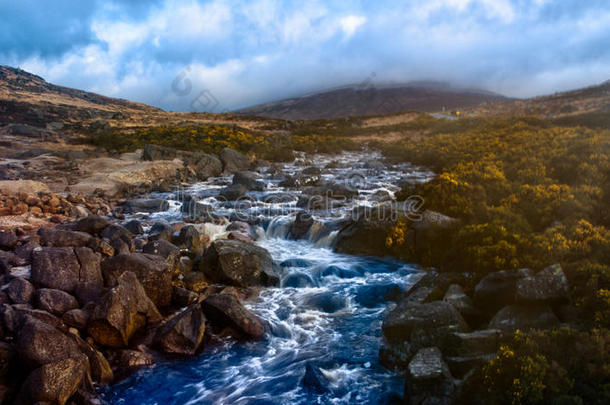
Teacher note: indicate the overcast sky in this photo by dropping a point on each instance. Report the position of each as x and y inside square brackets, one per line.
[235, 53]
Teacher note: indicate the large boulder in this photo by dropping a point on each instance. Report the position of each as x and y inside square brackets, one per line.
[93, 224]
[224, 310]
[423, 325]
[124, 310]
[183, 333]
[250, 180]
[497, 290]
[64, 268]
[54, 383]
[54, 237]
[523, 317]
[56, 302]
[233, 161]
[189, 238]
[239, 264]
[207, 166]
[463, 303]
[20, 291]
[429, 380]
[151, 270]
[203, 165]
[549, 285]
[39, 343]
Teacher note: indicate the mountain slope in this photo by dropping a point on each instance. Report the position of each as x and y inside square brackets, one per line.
[369, 101]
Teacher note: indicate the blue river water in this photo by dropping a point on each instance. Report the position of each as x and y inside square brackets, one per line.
[326, 316]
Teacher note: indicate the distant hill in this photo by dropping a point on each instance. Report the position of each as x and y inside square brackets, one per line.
[588, 100]
[374, 101]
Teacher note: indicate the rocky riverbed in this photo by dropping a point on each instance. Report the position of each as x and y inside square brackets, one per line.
[241, 286]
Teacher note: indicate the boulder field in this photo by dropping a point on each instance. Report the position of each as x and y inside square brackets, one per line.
[85, 303]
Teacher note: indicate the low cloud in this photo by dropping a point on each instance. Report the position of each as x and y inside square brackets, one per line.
[241, 52]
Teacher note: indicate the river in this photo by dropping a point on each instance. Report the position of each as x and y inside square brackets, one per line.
[325, 316]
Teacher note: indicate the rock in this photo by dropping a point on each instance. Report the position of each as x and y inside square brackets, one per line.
[202, 164]
[549, 285]
[160, 230]
[523, 317]
[233, 192]
[496, 290]
[93, 225]
[463, 303]
[196, 281]
[7, 358]
[233, 161]
[301, 225]
[224, 310]
[54, 382]
[239, 264]
[249, 180]
[423, 325]
[98, 365]
[79, 211]
[374, 165]
[20, 291]
[429, 380]
[133, 359]
[134, 226]
[484, 341]
[55, 301]
[183, 297]
[117, 232]
[8, 240]
[146, 205]
[124, 310]
[395, 356]
[207, 166]
[154, 274]
[183, 333]
[56, 268]
[314, 380]
[14, 187]
[39, 343]
[54, 237]
[25, 251]
[190, 238]
[242, 237]
[76, 318]
[161, 248]
[90, 268]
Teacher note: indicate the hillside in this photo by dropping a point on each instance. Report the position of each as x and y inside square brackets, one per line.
[370, 101]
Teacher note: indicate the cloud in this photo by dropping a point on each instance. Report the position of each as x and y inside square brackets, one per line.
[243, 52]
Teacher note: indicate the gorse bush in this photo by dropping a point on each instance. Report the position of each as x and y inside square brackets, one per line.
[212, 139]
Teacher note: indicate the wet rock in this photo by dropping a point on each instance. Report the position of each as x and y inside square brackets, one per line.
[423, 325]
[325, 302]
[240, 264]
[20, 291]
[135, 227]
[56, 302]
[54, 382]
[93, 225]
[429, 380]
[183, 333]
[314, 380]
[496, 290]
[99, 368]
[161, 248]
[124, 310]
[233, 192]
[76, 318]
[224, 310]
[233, 161]
[154, 274]
[396, 355]
[374, 165]
[39, 343]
[190, 238]
[523, 317]
[549, 285]
[371, 295]
[249, 180]
[298, 280]
[130, 360]
[301, 225]
[146, 205]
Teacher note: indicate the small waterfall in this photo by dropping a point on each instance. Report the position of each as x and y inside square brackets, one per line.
[279, 227]
[327, 241]
[214, 231]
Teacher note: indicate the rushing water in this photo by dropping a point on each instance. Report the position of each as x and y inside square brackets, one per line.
[326, 315]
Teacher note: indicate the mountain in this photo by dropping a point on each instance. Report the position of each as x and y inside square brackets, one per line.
[369, 100]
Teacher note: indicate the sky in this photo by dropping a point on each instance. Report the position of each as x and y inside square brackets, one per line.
[198, 55]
